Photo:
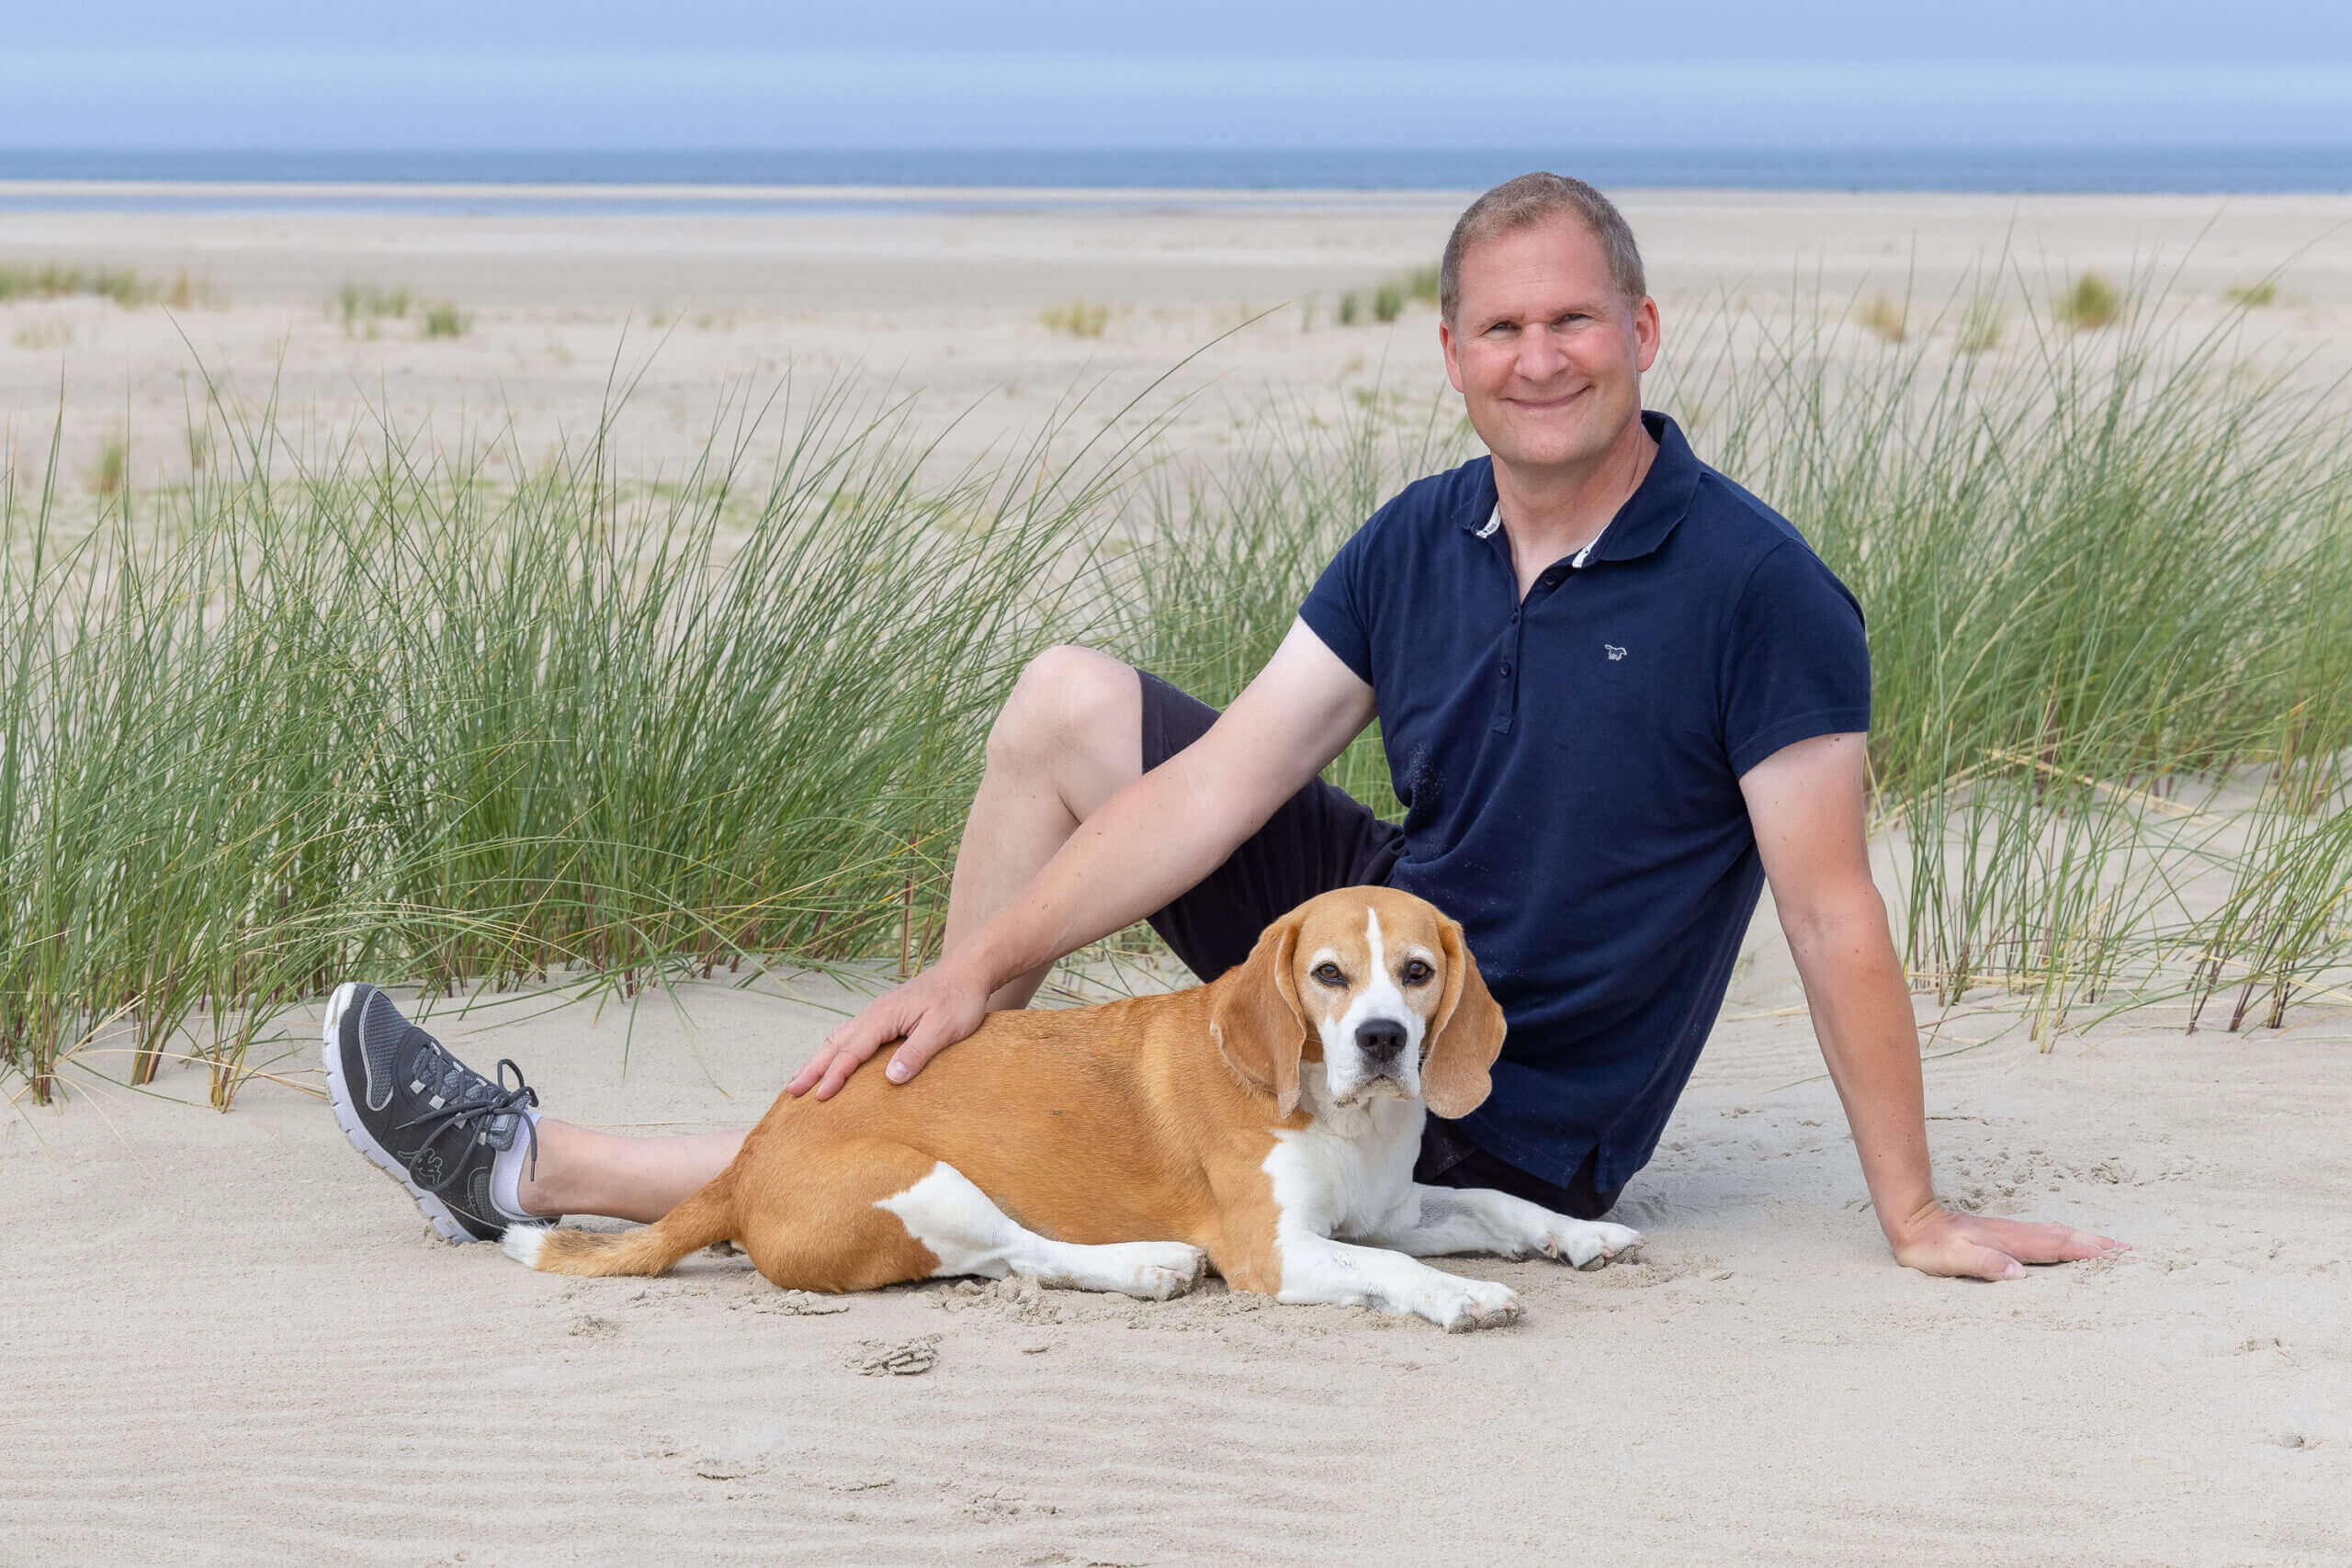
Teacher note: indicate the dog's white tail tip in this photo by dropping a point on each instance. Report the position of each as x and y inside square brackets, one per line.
[523, 1244]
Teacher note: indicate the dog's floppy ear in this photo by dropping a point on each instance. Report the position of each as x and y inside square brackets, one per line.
[1256, 1020]
[1465, 1035]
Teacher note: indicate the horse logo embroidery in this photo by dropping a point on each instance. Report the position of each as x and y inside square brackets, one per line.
[1615, 652]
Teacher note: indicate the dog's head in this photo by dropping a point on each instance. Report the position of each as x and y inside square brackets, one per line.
[1374, 983]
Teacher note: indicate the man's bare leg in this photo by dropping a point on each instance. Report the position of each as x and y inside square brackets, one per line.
[1068, 738]
[585, 1172]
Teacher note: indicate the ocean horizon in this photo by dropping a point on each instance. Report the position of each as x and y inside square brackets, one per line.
[2216, 170]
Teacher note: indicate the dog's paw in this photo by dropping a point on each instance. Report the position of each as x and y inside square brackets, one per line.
[1161, 1269]
[1588, 1243]
[1467, 1304]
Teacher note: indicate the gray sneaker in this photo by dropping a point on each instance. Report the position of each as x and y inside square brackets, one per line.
[433, 1124]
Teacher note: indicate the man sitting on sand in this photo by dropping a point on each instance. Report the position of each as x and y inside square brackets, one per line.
[1617, 692]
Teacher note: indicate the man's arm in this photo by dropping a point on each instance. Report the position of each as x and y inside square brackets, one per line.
[1806, 802]
[1151, 842]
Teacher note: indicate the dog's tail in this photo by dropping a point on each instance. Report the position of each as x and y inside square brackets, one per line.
[708, 1216]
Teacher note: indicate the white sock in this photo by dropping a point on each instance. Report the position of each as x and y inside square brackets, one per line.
[506, 1170]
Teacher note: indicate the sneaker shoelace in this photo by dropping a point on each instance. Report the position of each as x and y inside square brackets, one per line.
[467, 1098]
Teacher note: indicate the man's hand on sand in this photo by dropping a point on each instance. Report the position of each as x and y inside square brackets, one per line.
[1978, 1246]
[930, 1012]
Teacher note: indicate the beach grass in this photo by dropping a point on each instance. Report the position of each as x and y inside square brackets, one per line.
[2252, 296]
[2091, 302]
[1883, 318]
[1983, 324]
[442, 318]
[342, 702]
[365, 711]
[44, 335]
[111, 467]
[363, 307]
[1077, 318]
[57, 280]
[1387, 300]
[2111, 651]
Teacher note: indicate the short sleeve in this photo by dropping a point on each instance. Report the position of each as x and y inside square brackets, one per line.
[1338, 607]
[1797, 664]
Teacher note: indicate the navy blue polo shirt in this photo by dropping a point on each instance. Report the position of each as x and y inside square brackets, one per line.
[1570, 766]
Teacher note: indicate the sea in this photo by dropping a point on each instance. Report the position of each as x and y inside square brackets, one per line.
[746, 179]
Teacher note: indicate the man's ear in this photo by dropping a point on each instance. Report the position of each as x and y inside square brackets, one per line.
[1465, 1036]
[1256, 1019]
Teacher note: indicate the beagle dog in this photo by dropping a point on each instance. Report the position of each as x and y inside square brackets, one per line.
[1264, 1125]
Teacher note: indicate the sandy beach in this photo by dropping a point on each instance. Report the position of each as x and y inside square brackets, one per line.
[229, 1338]
[704, 310]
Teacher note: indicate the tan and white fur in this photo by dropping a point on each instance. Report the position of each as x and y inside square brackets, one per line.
[1264, 1125]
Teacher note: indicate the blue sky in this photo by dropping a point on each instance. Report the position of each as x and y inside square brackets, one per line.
[1054, 73]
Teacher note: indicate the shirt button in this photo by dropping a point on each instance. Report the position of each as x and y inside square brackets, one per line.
[1506, 670]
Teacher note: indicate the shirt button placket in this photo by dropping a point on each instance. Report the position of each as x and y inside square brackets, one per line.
[1507, 699]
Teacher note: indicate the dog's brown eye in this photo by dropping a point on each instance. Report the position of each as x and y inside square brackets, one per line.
[1417, 973]
[1329, 974]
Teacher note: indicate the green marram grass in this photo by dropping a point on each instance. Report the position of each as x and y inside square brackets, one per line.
[368, 711]
[2091, 303]
[362, 306]
[443, 318]
[1883, 318]
[44, 335]
[1078, 318]
[364, 709]
[59, 281]
[2111, 648]
[1389, 297]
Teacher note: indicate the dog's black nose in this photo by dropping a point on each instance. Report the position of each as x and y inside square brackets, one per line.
[1382, 1041]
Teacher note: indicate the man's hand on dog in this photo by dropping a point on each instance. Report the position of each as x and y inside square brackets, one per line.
[1940, 1241]
[930, 1012]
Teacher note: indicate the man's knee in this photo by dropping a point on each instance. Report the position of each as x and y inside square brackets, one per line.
[1070, 702]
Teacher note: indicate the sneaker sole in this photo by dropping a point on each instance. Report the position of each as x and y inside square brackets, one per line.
[346, 1116]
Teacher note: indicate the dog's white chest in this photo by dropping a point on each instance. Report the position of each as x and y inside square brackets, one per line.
[1350, 1172]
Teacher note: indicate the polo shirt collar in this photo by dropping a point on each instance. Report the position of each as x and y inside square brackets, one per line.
[1657, 504]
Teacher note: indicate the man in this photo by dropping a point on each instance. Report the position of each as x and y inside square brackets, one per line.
[1617, 693]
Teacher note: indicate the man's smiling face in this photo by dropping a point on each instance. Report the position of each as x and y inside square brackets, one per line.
[1544, 348]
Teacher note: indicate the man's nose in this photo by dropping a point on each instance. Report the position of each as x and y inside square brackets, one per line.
[1382, 1041]
[1541, 355]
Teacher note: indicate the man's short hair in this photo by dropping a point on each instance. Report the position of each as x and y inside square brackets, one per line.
[1531, 200]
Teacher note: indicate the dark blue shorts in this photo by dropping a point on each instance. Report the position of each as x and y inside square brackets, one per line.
[1321, 838]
